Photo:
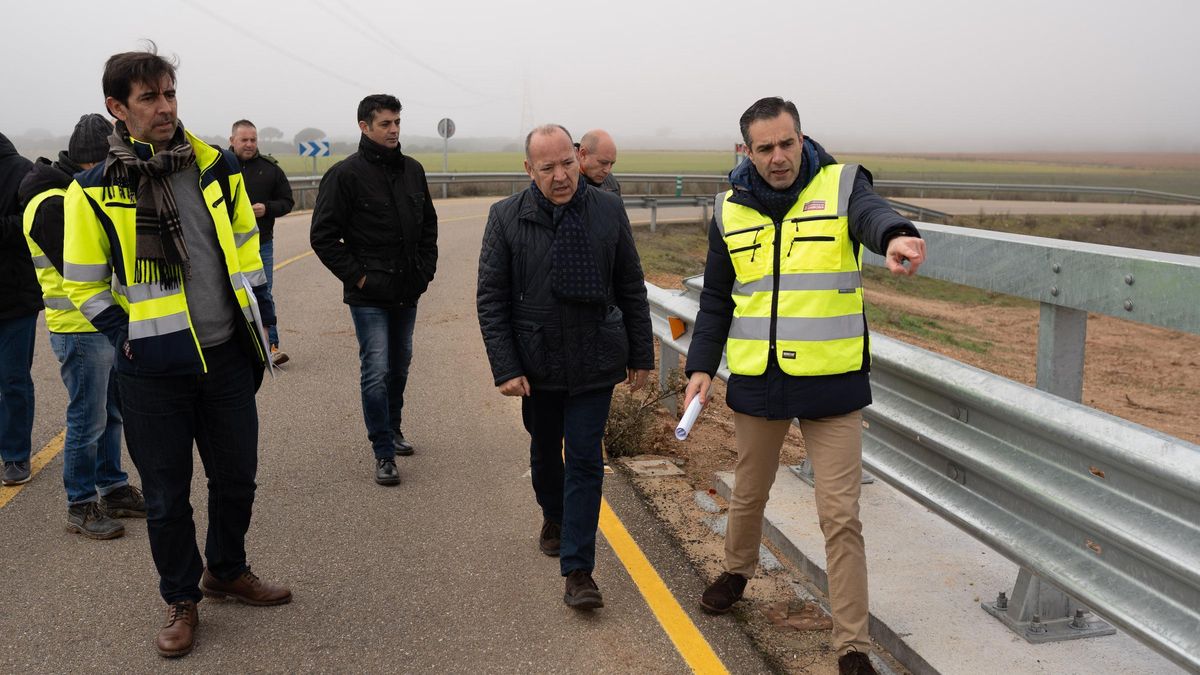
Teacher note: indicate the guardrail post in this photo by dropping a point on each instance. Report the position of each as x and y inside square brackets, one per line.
[704, 213]
[1040, 612]
[653, 215]
[668, 360]
[1061, 335]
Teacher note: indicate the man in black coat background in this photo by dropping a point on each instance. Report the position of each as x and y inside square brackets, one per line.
[375, 228]
[563, 311]
[271, 197]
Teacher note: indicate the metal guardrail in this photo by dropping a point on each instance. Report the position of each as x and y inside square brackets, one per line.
[518, 180]
[1052, 189]
[1104, 509]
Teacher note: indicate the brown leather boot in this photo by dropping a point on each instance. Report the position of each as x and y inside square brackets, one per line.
[178, 635]
[246, 588]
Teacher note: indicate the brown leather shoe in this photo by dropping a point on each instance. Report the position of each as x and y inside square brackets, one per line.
[178, 635]
[246, 588]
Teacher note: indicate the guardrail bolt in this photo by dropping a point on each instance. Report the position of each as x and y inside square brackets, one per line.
[1128, 305]
[1129, 279]
[1079, 622]
[1036, 626]
[1001, 601]
[1056, 267]
[1054, 291]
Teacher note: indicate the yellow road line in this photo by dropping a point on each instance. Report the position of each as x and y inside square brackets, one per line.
[688, 640]
[41, 459]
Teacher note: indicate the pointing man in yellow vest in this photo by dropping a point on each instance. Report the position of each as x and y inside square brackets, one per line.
[98, 491]
[783, 296]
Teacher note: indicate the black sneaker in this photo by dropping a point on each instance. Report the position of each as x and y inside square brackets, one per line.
[855, 663]
[721, 594]
[90, 521]
[386, 473]
[15, 473]
[403, 447]
[582, 592]
[550, 538]
[124, 502]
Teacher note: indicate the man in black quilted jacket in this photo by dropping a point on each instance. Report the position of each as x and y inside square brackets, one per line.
[562, 307]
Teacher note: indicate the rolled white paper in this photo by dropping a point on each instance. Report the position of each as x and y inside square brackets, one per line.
[689, 418]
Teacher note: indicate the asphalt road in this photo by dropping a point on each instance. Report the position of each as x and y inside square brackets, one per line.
[440, 574]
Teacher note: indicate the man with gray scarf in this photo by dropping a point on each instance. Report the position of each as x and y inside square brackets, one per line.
[162, 256]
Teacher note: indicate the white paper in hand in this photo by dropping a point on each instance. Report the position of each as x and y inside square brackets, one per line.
[258, 325]
[689, 418]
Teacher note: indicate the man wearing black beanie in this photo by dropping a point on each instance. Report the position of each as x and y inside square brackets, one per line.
[98, 491]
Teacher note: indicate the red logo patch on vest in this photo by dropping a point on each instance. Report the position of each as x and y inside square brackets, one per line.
[815, 205]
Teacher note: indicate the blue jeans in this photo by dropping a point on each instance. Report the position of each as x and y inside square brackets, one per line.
[568, 495]
[16, 387]
[266, 249]
[92, 450]
[385, 345]
[164, 416]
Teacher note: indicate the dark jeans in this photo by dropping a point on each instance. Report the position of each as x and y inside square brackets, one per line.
[569, 495]
[266, 250]
[385, 344]
[92, 449]
[16, 387]
[163, 416]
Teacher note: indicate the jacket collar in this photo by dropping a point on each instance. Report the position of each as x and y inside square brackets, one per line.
[206, 155]
[377, 154]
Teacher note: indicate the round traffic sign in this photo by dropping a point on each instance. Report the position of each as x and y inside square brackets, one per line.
[446, 127]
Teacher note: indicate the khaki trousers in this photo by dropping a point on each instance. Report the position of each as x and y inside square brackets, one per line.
[835, 450]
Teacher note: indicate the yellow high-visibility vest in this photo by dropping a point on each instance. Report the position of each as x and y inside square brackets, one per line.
[99, 258]
[799, 282]
[61, 315]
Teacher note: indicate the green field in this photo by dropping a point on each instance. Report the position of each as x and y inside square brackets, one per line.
[884, 167]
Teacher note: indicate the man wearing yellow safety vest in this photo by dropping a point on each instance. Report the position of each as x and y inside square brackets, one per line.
[783, 297]
[98, 491]
[161, 255]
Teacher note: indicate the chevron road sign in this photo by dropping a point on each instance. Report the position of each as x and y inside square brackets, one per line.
[314, 149]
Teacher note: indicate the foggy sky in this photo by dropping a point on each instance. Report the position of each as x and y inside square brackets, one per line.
[869, 75]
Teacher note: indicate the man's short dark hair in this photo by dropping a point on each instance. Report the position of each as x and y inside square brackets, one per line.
[767, 109]
[373, 104]
[122, 70]
[546, 130]
[241, 123]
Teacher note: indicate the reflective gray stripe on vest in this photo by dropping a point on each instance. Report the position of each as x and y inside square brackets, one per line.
[239, 239]
[720, 202]
[255, 278]
[41, 262]
[77, 272]
[58, 303]
[143, 292]
[808, 329]
[816, 281]
[96, 304]
[163, 325]
[845, 187]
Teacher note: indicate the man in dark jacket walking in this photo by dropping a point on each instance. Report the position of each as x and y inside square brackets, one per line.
[20, 302]
[597, 157]
[375, 228]
[562, 307]
[270, 197]
[783, 298]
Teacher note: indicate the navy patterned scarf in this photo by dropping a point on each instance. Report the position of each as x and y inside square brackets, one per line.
[576, 276]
